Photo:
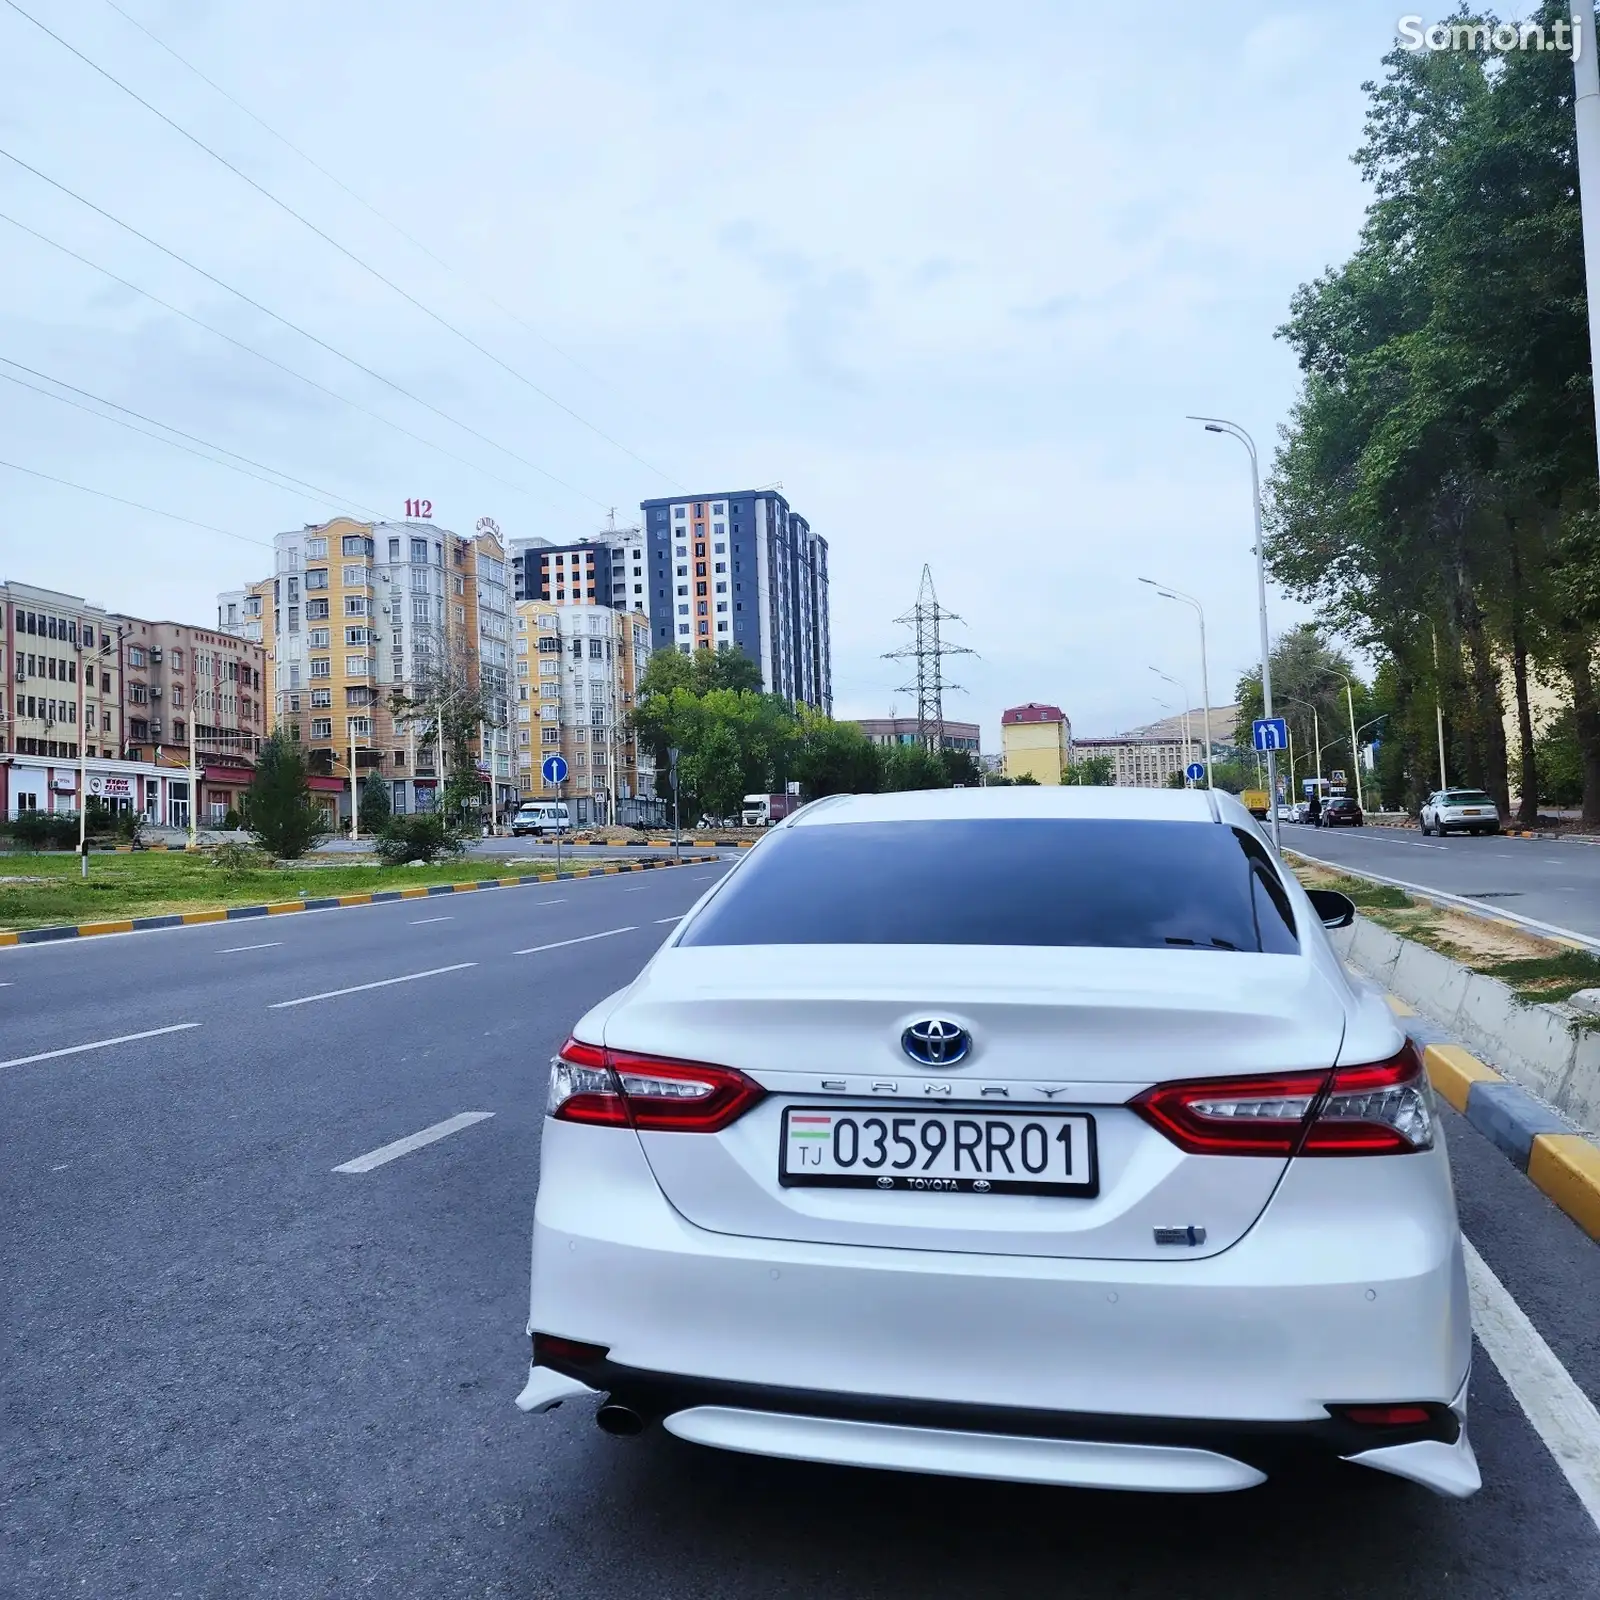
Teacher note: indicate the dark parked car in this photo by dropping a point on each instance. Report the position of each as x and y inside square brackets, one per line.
[1341, 812]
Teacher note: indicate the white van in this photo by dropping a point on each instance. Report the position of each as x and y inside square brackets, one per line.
[541, 816]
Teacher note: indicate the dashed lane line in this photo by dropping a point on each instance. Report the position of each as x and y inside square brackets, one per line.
[234, 949]
[1561, 1413]
[561, 944]
[96, 1044]
[413, 1141]
[358, 988]
[678, 918]
[422, 922]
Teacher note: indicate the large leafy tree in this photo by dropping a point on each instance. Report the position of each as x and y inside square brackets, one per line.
[1434, 489]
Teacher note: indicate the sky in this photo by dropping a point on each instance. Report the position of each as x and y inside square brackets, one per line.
[952, 275]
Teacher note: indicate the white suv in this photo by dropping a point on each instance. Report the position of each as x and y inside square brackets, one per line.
[1459, 811]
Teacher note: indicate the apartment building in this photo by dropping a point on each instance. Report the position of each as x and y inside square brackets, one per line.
[605, 568]
[1142, 761]
[179, 680]
[356, 613]
[1037, 741]
[740, 570]
[55, 645]
[577, 673]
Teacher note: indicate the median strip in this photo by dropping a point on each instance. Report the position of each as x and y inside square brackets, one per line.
[380, 983]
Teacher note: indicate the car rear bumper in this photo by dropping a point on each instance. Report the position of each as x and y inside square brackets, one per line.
[1343, 1293]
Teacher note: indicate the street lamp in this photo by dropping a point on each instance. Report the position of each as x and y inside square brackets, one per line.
[1222, 425]
[1167, 592]
[1355, 753]
[1188, 739]
[1316, 730]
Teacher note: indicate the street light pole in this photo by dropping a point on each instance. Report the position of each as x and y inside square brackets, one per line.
[1438, 706]
[1222, 425]
[1167, 592]
[83, 768]
[1355, 754]
[1188, 737]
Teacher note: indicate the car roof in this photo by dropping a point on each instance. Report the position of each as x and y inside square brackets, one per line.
[1026, 801]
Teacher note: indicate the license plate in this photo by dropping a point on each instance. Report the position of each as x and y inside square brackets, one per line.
[1472, 813]
[939, 1152]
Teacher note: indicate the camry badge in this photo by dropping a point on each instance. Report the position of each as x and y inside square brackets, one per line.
[936, 1042]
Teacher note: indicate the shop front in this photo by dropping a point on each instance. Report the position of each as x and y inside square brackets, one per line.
[39, 783]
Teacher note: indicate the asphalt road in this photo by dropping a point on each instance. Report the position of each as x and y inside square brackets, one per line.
[227, 1369]
[1551, 881]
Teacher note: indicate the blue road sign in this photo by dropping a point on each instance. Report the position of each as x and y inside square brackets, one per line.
[1194, 772]
[1269, 733]
[555, 769]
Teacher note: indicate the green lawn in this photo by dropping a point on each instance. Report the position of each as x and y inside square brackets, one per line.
[155, 883]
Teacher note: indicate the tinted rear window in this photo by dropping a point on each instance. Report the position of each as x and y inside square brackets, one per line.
[1099, 883]
[1467, 797]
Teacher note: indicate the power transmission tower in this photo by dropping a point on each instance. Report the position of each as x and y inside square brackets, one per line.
[928, 650]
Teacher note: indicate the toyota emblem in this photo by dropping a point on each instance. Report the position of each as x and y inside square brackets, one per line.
[936, 1042]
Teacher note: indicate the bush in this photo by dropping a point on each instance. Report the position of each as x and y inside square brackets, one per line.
[233, 859]
[422, 836]
[231, 821]
[45, 830]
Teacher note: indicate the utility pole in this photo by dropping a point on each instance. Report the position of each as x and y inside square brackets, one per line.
[83, 766]
[194, 778]
[1438, 706]
[355, 795]
[928, 650]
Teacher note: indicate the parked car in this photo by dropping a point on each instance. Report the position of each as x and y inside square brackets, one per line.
[1033, 1134]
[1459, 811]
[1286, 813]
[1341, 812]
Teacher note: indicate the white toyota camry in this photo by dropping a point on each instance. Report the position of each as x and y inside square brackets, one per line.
[1024, 1133]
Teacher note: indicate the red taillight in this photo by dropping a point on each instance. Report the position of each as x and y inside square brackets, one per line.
[1378, 1109]
[1234, 1116]
[619, 1088]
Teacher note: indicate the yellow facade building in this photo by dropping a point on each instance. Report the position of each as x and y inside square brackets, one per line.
[1036, 741]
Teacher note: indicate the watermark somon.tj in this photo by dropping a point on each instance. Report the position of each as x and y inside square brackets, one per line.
[1565, 35]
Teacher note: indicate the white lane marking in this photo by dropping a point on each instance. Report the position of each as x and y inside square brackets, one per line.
[1496, 913]
[1561, 1413]
[357, 988]
[635, 888]
[234, 949]
[560, 900]
[422, 922]
[678, 918]
[414, 1141]
[96, 1044]
[560, 944]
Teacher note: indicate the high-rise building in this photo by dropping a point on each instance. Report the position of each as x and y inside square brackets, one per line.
[739, 570]
[606, 568]
[578, 667]
[357, 612]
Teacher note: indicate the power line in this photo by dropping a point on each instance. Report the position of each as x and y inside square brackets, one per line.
[350, 255]
[294, 327]
[361, 200]
[154, 511]
[260, 476]
[271, 361]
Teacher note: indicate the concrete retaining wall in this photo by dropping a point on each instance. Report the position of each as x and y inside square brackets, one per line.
[1542, 1047]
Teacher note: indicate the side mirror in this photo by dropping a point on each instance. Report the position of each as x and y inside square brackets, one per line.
[1336, 910]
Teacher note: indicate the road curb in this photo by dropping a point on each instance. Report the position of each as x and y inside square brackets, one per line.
[1562, 1165]
[188, 919]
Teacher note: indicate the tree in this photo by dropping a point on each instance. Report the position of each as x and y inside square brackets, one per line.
[912, 766]
[960, 769]
[448, 705]
[375, 807]
[834, 757]
[1092, 772]
[283, 820]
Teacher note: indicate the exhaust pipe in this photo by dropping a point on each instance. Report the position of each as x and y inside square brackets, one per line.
[621, 1422]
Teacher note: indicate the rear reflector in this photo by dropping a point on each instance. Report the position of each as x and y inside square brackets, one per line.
[1407, 1416]
[620, 1088]
[1379, 1109]
[550, 1350]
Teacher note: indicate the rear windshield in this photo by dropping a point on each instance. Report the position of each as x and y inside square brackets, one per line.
[1467, 797]
[1099, 883]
